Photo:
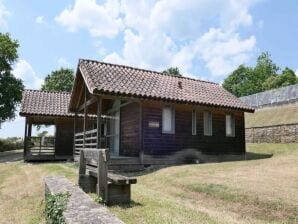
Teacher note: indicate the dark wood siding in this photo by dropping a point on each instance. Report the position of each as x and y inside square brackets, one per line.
[64, 137]
[157, 143]
[129, 130]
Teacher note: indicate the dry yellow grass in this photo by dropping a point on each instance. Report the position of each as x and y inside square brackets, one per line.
[22, 190]
[253, 191]
[272, 116]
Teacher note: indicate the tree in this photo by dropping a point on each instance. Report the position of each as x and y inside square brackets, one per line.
[239, 81]
[264, 69]
[287, 77]
[172, 71]
[59, 80]
[43, 133]
[10, 87]
[264, 76]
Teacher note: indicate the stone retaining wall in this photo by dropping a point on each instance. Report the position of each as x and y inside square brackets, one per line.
[274, 97]
[272, 134]
[80, 207]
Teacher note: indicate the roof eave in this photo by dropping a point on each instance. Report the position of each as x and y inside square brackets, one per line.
[103, 92]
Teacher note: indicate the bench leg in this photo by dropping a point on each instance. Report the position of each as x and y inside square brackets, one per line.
[87, 183]
[118, 194]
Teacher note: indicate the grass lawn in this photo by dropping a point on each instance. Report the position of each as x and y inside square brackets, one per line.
[252, 191]
[263, 117]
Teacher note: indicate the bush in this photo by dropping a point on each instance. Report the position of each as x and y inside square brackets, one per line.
[55, 205]
[9, 144]
[6, 145]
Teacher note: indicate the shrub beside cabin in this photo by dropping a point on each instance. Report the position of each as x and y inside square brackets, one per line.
[136, 113]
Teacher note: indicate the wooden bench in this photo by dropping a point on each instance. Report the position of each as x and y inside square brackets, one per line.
[94, 177]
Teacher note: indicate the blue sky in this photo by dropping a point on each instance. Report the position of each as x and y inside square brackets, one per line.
[205, 39]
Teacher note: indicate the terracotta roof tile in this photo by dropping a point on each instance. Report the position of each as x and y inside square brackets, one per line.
[37, 102]
[109, 78]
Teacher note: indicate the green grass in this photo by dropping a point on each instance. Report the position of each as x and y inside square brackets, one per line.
[254, 191]
[272, 116]
[260, 190]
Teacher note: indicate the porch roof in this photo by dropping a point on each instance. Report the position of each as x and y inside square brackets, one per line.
[44, 103]
[112, 79]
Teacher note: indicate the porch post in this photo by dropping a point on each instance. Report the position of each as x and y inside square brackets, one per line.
[141, 152]
[99, 104]
[25, 137]
[74, 132]
[85, 117]
[29, 129]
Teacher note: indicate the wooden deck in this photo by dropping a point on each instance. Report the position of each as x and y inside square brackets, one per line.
[37, 158]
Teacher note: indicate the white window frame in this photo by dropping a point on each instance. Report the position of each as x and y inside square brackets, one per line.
[207, 121]
[172, 131]
[232, 125]
[194, 121]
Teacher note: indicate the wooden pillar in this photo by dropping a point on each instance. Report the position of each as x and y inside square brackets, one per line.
[74, 132]
[29, 129]
[141, 151]
[25, 137]
[99, 105]
[85, 116]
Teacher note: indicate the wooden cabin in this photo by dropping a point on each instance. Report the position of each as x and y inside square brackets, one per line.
[140, 114]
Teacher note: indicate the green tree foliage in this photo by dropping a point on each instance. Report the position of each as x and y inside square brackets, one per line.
[172, 71]
[264, 76]
[10, 87]
[286, 78]
[59, 80]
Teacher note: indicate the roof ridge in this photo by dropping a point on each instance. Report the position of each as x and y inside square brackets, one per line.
[145, 70]
[46, 91]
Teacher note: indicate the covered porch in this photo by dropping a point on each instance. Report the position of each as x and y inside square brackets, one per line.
[45, 148]
[106, 125]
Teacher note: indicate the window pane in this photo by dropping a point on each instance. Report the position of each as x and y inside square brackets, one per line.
[207, 123]
[194, 122]
[230, 125]
[167, 119]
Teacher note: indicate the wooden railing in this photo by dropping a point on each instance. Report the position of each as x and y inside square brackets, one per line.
[87, 141]
[37, 146]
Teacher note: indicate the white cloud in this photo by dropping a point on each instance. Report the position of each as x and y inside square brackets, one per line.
[99, 20]
[24, 71]
[3, 14]
[39, 19]
[222, 52]
[63, 62]
[159, 34]
[174, 33]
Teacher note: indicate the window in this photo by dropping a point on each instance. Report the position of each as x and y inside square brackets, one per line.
[207, 123]
[194, 121]
[230, 125]
[168, 120]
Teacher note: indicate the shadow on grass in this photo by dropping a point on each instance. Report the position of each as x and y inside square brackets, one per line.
[153, 168]
[132, 204]
[255, 156]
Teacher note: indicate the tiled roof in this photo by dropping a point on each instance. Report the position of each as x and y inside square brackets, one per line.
[122, 80]
[37, 102]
